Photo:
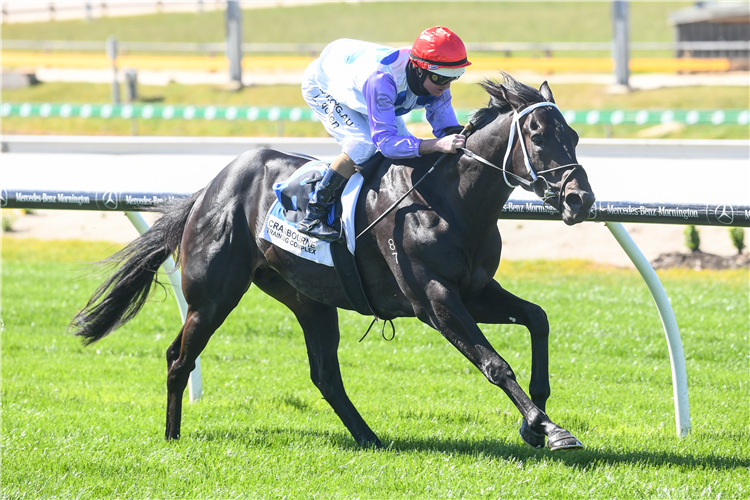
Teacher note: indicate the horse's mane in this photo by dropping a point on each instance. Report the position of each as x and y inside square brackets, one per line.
[497, 103]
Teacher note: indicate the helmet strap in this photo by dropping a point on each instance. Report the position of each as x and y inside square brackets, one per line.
[415, 77]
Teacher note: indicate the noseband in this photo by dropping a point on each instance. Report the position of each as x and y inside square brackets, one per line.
[538, 184]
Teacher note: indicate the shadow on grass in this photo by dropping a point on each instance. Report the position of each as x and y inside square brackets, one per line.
[585, 459]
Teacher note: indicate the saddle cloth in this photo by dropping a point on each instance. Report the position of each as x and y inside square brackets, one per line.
[293, 195]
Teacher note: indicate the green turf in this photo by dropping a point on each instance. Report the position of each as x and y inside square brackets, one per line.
[466, 96]
[88, 422]
[375, 21]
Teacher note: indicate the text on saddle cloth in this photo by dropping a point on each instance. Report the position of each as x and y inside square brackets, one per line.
[293, 195]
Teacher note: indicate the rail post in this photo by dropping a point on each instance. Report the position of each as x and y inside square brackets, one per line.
[621, 39]
[674, 342]
[234, 41]
[112, 54]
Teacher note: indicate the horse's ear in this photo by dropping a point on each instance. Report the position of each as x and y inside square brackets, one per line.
[512, 99]
[546, 92]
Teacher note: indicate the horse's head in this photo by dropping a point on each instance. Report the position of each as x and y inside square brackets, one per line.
[541, 152]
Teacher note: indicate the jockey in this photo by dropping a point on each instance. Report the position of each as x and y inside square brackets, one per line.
[360, 90]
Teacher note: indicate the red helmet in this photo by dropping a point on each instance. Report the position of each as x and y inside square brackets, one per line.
[440, 51]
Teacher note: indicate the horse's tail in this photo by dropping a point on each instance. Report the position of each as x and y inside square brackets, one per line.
[124, 293]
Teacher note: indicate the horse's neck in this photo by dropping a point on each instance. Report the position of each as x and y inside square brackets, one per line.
[483, 189]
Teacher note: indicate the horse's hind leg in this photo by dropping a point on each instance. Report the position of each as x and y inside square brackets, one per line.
[181, 357]
[200, 324]
[214, 280]
[320, 325]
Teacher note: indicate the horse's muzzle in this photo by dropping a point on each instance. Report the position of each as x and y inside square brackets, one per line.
[577, 203]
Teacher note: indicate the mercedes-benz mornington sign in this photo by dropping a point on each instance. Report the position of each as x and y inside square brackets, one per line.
[660, 213]
[84, 200]
[603, 211]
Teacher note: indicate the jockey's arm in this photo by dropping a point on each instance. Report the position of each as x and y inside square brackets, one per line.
[380, 95]
[441, 116]
[448, 144]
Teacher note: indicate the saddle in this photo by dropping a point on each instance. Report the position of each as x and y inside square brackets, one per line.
[280, 227]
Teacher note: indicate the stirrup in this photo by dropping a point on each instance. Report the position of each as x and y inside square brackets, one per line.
[316, 228]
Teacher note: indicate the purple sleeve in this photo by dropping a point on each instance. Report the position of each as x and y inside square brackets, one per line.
[440, 114]
[380, 95]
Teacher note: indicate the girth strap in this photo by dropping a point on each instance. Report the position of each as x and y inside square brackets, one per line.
[351, 283]
[348, 275]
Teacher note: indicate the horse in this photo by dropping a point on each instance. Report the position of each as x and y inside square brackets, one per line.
[433, 257]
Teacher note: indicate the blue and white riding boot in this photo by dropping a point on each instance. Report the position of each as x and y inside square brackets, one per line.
[315, 223]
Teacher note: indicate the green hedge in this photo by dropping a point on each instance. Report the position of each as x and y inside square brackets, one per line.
[276, 113]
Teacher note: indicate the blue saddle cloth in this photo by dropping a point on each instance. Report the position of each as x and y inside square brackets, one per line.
[294, 193]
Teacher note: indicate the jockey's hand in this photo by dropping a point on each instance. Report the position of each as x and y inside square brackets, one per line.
[448, 144]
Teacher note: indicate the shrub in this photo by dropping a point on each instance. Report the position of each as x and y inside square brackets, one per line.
[8, 218]
[692, 239]
[737, 235]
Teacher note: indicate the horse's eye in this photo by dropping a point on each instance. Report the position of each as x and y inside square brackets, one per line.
[537, 139]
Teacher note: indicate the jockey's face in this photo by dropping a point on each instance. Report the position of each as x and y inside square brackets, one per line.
[434, 89]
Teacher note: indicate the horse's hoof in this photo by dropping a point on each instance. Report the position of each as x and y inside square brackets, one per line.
[533, 439]
[563, 440]
[373, 444]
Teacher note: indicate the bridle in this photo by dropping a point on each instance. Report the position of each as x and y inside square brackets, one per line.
[538, 184]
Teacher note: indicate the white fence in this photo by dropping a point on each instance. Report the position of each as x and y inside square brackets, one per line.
[25, 12]
[547, 48]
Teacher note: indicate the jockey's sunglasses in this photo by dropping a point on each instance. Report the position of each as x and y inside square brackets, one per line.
[440, 79]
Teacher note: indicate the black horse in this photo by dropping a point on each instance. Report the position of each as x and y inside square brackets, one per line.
[433, 257]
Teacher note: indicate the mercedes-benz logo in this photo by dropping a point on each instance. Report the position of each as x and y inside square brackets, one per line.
[724, 214]
[109, 199]
[593, 212]
[3, 197]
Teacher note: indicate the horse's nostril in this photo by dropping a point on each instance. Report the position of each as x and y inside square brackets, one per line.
[573, 200]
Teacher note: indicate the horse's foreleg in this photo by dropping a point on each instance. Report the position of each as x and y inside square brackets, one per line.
[447, 313]
[495, 305]
[320, 324]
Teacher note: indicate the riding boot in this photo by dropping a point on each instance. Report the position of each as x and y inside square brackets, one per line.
[315, 223]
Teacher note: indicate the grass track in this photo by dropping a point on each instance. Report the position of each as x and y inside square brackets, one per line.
[87, 422]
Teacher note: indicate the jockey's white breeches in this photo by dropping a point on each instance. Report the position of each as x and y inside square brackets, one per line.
[348, 127]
